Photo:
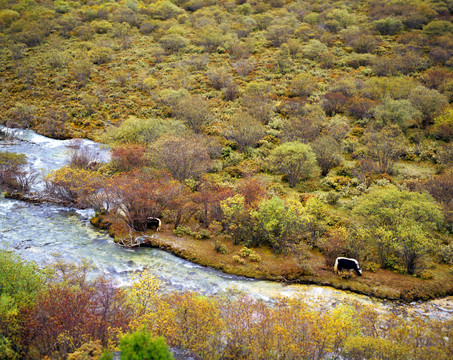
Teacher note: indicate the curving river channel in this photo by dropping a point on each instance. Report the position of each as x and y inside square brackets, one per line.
[39, 231]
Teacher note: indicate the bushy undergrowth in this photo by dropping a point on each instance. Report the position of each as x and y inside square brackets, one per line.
[65, 315]
[266, 122]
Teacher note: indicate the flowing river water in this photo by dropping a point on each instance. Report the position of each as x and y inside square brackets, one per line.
[40, 232]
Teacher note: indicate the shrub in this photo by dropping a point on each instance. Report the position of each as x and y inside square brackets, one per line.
[194, 111]
[101, 55]
[314, 49]
[183, 158]
[334, 103]
[388, 26]
[220, 248]
[219, 78]
[438, 28]
[363, 43]
[244, 66]
[254, 257]
[244, 252]
[7, 17]
[82, 68]
[145, 131]
[295, 160]
[446, 253]
[278, 34]
[399, 224]
[211, 38]
[89, 351]
[302, 85]
[141, 345]
[328, 153]
[429, 102]
[238, 259]
[182, 230]
[367, 347]
[173, 42]
[400, 112]
[360, 107]
[245, 130]
[11, 169]
[385, 66]
[101, 26]
[443, 126]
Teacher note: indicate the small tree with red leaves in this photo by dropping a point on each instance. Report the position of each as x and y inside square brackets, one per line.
[141, 195]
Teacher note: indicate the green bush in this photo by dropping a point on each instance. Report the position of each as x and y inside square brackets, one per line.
[388, 26]
[438, 28]
[182, 230]
[221, 249]
[254, 257]
[101, 26]
[141, 345]
[173, 42]
[146, 131]
[238, 259]
[244, 252]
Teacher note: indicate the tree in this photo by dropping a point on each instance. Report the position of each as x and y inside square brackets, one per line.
[399, 223]
[328, 153]
[245, 130]
[13, 174]
[184, 158]
[209, 195]
[443, 126]
[72, 310]
[295, 160]
[74, 185]
[305, 126]
[303, 85]
[384, 147]
[194, 111]
[129, 157]
[237, 220]
[141, 345]
[252, 190]
[429, 102]
[400, 112]
[20, 284]
[141, 195]
[277, 224]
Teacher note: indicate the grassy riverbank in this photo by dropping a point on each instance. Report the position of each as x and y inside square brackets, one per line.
[380, 283]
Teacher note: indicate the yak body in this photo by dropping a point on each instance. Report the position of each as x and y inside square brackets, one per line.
[342, 263]
[153, 222]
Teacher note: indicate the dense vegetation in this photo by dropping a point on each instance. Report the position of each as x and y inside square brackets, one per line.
[312, 128]
[59, 313]
[248, 116]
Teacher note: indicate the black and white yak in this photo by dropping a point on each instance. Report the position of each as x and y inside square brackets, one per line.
[342, 263]
[153, 222]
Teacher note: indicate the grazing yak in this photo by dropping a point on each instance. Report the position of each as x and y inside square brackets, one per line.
[153, 222]
[342, 263]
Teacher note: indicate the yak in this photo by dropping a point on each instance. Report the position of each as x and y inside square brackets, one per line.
[342, 263]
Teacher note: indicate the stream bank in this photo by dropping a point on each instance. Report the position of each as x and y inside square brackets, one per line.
[38, 231]
[287, 269]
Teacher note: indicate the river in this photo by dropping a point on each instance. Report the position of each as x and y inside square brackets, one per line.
[39, 231]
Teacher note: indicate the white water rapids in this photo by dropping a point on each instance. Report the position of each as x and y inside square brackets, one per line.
[37, 231]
